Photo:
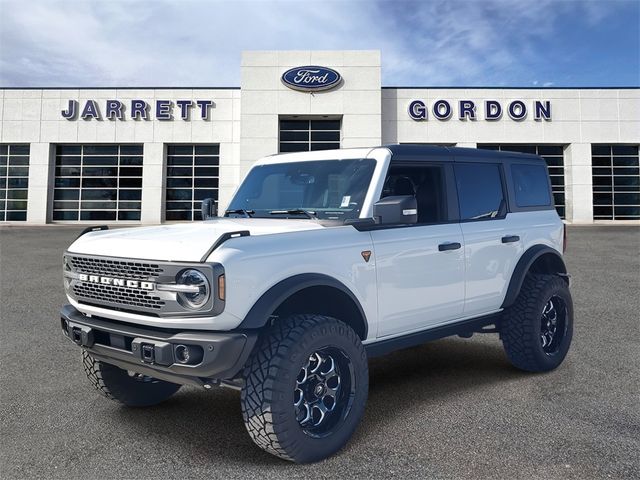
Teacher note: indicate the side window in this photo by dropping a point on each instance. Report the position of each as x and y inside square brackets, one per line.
[480, 192]
[531, 185]
[426, 183]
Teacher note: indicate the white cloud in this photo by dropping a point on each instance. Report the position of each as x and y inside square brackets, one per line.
[198, 43]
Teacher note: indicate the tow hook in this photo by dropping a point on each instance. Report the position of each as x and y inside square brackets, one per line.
[80, 334]
[152, 351]
[148, 353]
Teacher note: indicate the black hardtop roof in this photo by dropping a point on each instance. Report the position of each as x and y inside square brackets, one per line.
[416, 152]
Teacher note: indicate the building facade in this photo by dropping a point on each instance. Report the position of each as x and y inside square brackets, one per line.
[148, 156]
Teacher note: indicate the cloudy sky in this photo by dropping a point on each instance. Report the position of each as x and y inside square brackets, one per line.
[426, 43]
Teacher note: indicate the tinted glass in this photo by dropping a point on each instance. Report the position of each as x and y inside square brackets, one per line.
[192, 173]
[180, 150]
[90, 179]
[553, 155]
[333, 189]
[309, 135]
[14, 181]
[531, 185]
[600, 150]
[615, 182]
[480, 193]
[426, 183]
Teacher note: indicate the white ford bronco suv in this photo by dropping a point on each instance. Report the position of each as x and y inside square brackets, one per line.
[321, 261]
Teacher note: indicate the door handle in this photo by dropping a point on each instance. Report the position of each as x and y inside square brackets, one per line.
[510, 239]
[443, 247]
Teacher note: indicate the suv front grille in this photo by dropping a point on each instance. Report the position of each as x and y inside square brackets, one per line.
[115, 268]
[133, 285]
[121, 295]
[112, 295]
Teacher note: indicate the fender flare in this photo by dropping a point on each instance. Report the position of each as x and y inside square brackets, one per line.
[522, 268]
[259, 314]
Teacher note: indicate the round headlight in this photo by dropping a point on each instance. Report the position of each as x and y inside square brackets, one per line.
[199, 294]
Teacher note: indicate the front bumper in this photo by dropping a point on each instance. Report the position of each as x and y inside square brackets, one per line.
[156, 352]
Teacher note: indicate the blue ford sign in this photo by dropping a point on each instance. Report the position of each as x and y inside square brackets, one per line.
[311, 78]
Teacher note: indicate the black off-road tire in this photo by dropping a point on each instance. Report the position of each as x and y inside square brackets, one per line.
[271, 376]
[116, 384]
[520, 326]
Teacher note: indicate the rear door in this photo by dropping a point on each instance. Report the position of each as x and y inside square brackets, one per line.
[420, 268]
[490, 246]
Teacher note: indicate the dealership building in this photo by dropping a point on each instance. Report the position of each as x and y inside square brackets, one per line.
[149, 155]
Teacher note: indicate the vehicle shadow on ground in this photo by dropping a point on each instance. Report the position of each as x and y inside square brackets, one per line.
[207, 426]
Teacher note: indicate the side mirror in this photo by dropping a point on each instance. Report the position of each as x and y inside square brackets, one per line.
[397, 210]
[209, 209]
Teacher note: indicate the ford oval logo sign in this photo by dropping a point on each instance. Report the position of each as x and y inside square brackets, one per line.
[311, 78]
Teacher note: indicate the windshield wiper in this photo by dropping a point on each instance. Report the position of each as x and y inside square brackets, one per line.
[295, 211]
[241, 211]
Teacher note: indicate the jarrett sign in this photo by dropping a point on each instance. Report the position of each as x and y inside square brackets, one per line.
[137, 109]
[490, 110]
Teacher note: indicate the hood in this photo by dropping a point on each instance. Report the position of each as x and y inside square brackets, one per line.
[179, 242]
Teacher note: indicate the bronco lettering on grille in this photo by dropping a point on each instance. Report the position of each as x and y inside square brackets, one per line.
[116, 282]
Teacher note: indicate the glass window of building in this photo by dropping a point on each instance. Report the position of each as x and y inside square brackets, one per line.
[14, 182]
[98, 182]
[616, 182]
[192, 175]
[554, 156]
[309, 135]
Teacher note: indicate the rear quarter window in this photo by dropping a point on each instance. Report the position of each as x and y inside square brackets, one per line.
[531, 185]
[480, 192]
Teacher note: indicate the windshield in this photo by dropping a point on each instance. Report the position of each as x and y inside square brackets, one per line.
[325, 189]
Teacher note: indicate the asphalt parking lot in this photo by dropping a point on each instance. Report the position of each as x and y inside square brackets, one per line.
[450, 409]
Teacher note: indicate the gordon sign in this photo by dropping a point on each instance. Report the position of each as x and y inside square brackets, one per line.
[311, 78]
[136, 109]
[491, 110]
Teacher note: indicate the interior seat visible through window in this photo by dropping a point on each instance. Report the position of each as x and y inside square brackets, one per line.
[426, 182]
[396, 185]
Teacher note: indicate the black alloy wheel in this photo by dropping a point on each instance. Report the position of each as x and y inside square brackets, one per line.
[324, 391]
[553, 325]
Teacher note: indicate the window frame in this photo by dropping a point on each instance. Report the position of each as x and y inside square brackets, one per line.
[85, 154]
[310, 131]
[450, 200]
[512, 204]
[598, 190]
[538, 149]
[515, 193]
[179, 151]
[508, 199]
[7, 151]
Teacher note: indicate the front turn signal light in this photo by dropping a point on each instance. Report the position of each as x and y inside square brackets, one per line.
[222, 287]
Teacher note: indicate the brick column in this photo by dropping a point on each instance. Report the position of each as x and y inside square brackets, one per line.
[578, 183]
[41, 182]
[153, 183]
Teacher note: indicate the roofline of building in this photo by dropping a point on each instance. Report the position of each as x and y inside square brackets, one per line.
[511, 88]
[383, 88]
[119, 88]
